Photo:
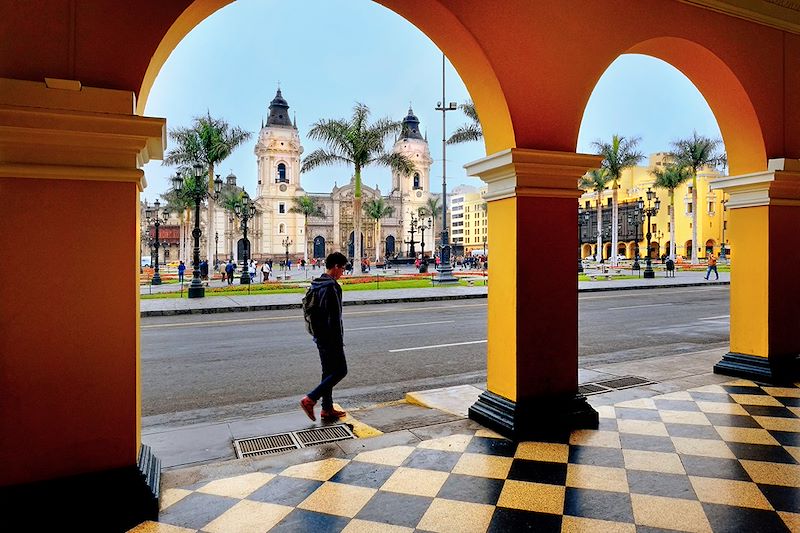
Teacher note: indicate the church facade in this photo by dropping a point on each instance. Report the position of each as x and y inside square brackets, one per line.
[275, 228]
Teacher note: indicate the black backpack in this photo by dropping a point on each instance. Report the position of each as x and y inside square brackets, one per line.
[310, 305]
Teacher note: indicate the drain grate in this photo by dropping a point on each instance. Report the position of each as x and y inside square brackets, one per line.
[293, 440]
[608, 385]
[312, 437]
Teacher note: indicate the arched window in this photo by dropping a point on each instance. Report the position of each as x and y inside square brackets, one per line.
[282, 174]
[281, 228]
[416, 181]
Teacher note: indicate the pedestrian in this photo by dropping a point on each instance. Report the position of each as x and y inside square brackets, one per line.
[302, 264]
[204, 269]
[712, 265]
[251, 269]
[229, 268]
[328, 334]
[181, 271]
[289, 264]
[264, 272]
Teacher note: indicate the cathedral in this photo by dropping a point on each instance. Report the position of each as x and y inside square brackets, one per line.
[278, 152]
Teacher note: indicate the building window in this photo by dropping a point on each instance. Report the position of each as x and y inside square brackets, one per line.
[588, 204]
[281, 228]
[710, 208]
[281, 208]
[416, 182]
[282, 174]
[610, 201]
[689, 208]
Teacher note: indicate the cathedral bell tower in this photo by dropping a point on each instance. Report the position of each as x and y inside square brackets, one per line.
[278, 151]
[414, 189]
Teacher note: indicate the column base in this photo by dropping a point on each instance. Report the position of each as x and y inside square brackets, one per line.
[785, 370]
[537, 417]
[111, 500]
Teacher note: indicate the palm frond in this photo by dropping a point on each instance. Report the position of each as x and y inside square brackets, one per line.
[397, 162]
[465, 133]
[321, 157]
[307, 206]
[671, 176]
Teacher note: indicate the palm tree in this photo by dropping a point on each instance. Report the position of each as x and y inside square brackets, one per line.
[377, 209]
[208, 141]
[693, 154]
[467, 132]
[431, 209]
[597, 180]
[670, 177]
[180, 205]
[618, 155]
[355, 142]
[308, 207]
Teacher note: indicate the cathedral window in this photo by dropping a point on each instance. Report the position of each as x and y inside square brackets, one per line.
[416, 182]
[281, 208]
[281, 229]
[281, 174]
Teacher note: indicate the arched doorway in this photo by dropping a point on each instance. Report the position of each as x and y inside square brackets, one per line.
[586, 251]
[350, 246]
[242, 247]
[710, 243]
[606, 250]
[319, 246]
[687, 250]
[621, 250]
[389, 246]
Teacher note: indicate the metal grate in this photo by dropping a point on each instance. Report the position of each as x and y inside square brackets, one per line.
[590, 388]
[293, 440]
[624, 382]
[312, 437]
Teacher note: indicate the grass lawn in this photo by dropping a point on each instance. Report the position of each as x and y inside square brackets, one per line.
[241, 290]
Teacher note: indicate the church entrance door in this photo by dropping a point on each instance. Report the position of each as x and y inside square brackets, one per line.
[350, 251]
[319, 246]
[241, 247]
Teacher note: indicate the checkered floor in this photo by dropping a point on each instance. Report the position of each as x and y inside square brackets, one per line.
[715, 458]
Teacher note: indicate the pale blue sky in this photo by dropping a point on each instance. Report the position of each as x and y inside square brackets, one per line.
[328, 54]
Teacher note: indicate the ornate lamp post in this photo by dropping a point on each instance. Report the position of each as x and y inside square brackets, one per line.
[216, 250]
[245, 210]
[412, 252]
[423, 266]
[635, 219]
[154, 217]
[286, 243]
[445, 269]
[650, 211]
[197, 193]
[583, 218]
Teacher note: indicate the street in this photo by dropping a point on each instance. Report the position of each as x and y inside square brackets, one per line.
[198, 368]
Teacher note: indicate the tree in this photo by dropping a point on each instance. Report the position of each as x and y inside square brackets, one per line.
[597, 180]
[618, 155]
[355, 142]
[693, 154]
[377, 209]
[467, 132]
[670, 177]
[208, 141]
[431, 209]
[182, 205]
[308, 207]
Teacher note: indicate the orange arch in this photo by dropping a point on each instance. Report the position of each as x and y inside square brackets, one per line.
[728, 99]
[435, 21]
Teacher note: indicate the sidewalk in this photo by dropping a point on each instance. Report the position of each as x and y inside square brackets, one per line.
[260, 302]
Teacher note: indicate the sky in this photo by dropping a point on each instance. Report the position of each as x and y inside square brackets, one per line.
[326, 55]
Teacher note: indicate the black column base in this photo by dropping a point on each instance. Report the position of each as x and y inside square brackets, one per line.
[779, 371]
[535, 417]
[108, 501]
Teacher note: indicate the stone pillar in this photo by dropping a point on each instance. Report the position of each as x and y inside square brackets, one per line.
[532, 383]
[763, 221]
[70, 183]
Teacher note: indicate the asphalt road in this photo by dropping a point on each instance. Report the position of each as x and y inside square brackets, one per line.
[199, 368]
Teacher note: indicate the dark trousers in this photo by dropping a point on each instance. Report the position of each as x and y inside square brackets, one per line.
[709, 269]
[230, 277]
[334, 369]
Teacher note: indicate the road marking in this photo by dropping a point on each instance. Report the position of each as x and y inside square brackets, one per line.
[436, 346]
[300, 317]
[402, 325]
[679, 290]
[637, 306]
[714, 317]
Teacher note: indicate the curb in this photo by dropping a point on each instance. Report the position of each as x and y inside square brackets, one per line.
[408, 299]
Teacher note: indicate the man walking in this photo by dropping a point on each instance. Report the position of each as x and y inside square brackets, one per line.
[712, 265]
[229, 268]
[328, 331]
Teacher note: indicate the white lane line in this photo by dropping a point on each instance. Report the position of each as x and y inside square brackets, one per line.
[435, 346]
[661, 292]
[714, 317]
[401, 325]
[637, 306]
[299, 317]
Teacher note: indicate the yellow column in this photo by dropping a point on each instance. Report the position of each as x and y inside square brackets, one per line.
[69, 305]
[532, 367]
[765, 296]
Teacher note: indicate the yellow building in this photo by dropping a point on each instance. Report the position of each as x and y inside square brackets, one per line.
[711, 218]
[469, 221]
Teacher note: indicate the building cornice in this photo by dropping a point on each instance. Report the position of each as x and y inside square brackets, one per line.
[781, 14]
[778, 185]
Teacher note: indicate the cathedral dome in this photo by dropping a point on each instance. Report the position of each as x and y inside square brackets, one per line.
[279, 111]
[410, 126]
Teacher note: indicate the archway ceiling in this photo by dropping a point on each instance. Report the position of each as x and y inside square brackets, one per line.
[530, 64]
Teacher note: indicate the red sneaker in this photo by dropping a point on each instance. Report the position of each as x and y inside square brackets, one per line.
[307, 405]
[332, 414]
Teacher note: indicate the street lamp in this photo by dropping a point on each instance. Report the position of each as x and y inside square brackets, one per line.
[635, 219]
[412, 252]
[245, 210]
[650, 211]
[286, 243]
[197, 193]
[154, 217]
[423, 266]
[216, 250]
[583, 217]
[445, 269]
